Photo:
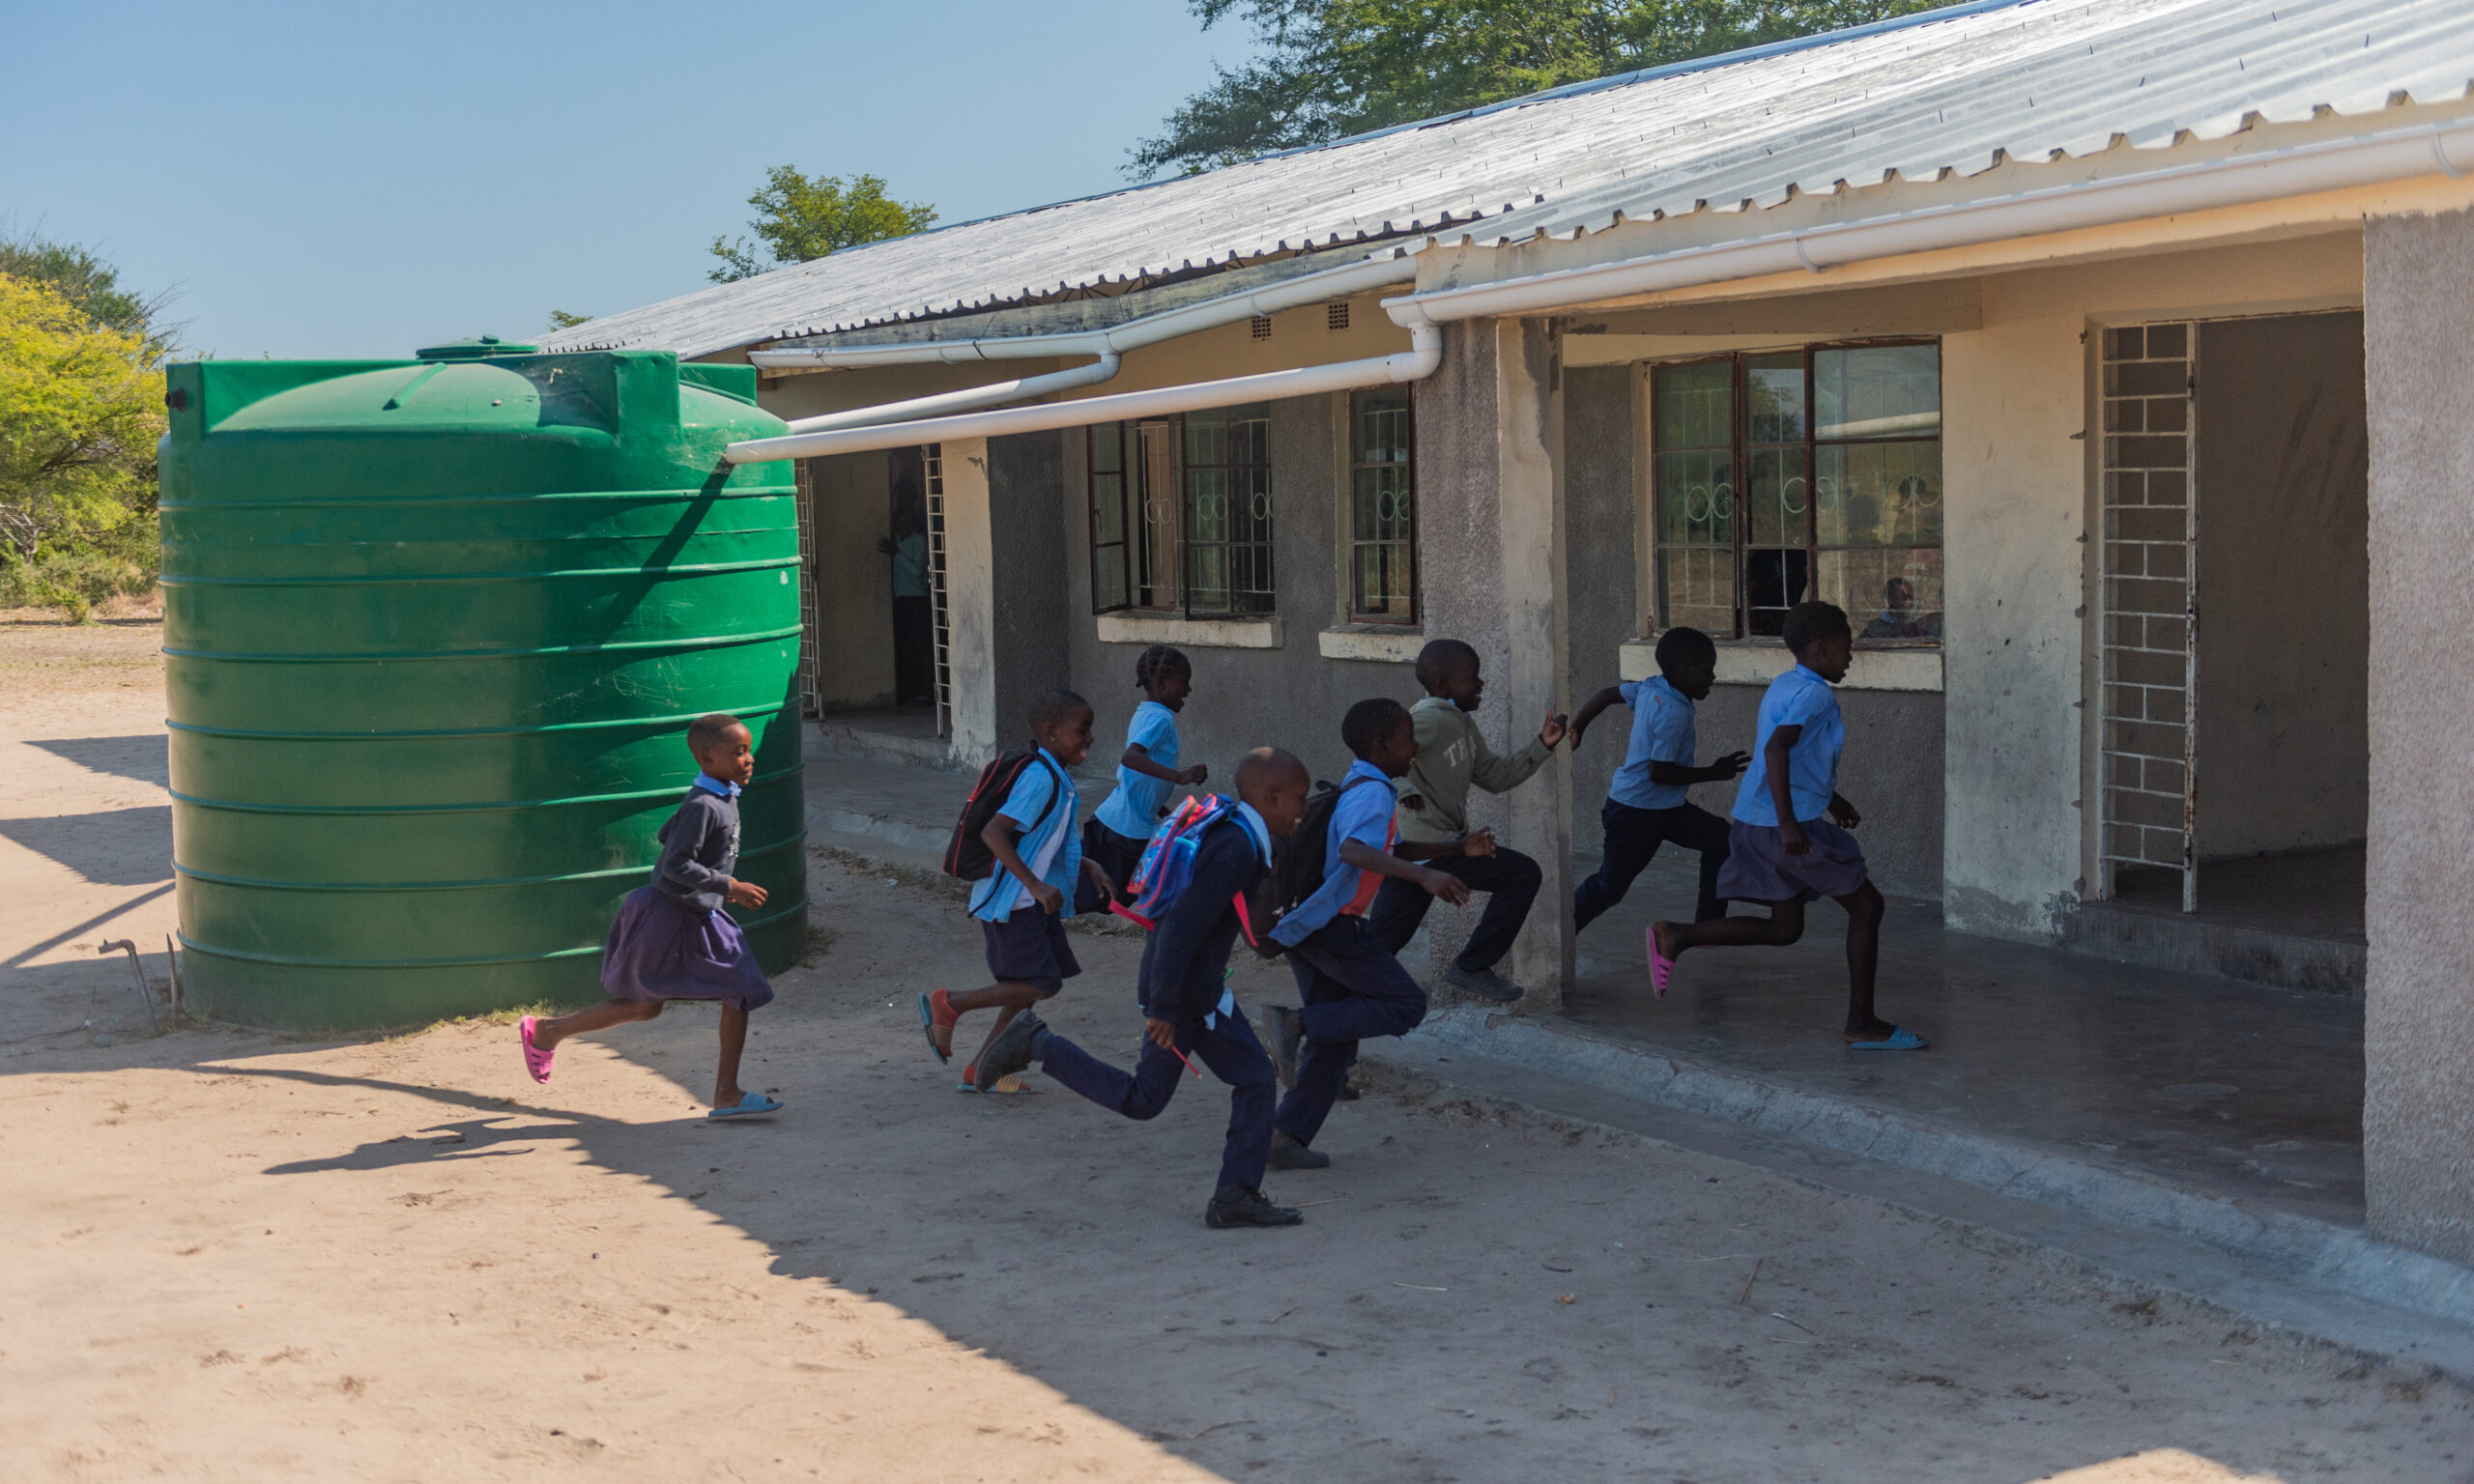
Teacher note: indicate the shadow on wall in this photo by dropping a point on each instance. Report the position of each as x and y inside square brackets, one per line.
[145, 758]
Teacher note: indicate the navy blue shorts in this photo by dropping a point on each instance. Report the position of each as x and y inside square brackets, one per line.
[1029, 948]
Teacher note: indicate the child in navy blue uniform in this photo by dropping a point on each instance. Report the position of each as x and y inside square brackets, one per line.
[1187, 1007]
[1147, 770]
[1023, 902]
[1351, 985]
[1647, 805]
[1789, 842]
[672, 941]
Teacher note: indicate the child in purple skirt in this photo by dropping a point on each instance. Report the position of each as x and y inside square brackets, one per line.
[1789, 842]
[673, 941]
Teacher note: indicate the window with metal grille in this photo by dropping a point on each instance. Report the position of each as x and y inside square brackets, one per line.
[1781, 477]
[1383, 524]
[1182, 515]
[1335, 316]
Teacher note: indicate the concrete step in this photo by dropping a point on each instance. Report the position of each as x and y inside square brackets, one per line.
[2268, 1244]
[2255, 955]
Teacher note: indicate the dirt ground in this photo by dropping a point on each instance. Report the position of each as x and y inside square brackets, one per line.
[235, 1256]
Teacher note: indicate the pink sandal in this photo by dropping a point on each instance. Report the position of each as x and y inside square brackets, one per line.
[536, 1060]
[1661, 967]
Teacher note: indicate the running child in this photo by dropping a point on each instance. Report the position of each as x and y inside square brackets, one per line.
[1187, 1007]
[1790, 843]
[1351, 985]
[1023, 902]
[1647, 805]
[1146, 771]
[672, 941]
[1452, 754]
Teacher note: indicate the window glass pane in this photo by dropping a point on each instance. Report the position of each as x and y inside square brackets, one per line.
[1775, 581]
[1382, 530]
[1379, 427]
[1891, 593]
[1228, 510]
[1879, 494]
[1696, 497]
[1877, 391]
[1778, 496]
[1773, 390]
[1107, 449]
[1693, 405]
[1106, 443]
[1697, 587]
[1155, 562]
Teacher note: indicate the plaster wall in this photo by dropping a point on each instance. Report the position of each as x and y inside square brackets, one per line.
[2418, 1014]
[1026, 523]
[850, 505]
[2283, 585]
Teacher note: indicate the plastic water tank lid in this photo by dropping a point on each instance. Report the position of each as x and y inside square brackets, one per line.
[473, 349]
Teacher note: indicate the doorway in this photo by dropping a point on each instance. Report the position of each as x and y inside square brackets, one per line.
[2236, 622]
[872, 665]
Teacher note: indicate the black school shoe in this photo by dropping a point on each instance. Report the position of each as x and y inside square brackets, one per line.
[1287, 1028]
[1233, 1206]
[1289, 1154]
[1018, 1045]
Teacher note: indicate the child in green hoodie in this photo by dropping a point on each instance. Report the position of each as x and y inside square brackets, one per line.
[1434, 820]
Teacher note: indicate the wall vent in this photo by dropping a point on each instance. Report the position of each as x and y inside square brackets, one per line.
[1337, 316]
[1262, 327]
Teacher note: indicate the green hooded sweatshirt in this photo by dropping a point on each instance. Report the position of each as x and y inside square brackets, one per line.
[1434, 795]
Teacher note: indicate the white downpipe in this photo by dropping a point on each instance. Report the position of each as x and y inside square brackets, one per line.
[1118, 339]
[1020, 388]
[2240, 180]
[1425, 353]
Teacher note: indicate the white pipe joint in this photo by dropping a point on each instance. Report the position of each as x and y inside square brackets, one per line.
[1425, 353]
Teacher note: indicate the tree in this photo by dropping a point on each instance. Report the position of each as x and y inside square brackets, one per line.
[1336, 68]
[800, 219]
[81, 406]
[559, 319]
[90, 284]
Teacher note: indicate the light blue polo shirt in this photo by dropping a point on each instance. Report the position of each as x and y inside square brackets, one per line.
[1363, 813]
[1661, 732]
[1799, 697]
[1134, 806]
[993, 899]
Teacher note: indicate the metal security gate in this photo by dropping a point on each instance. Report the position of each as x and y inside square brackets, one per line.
[2151, 642]
[933, 476]
[810, 703]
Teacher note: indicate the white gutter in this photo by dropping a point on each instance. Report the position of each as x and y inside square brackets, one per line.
[2237, 181]
[1425, 353]
[1020, 389]
[1118, 339]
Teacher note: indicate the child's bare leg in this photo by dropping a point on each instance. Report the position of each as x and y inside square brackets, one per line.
[1784, 924]
[1864, 907]
[726, 1093]
[592, 1017]
[1008, 999]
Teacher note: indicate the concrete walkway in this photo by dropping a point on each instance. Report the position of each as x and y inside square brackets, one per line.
[2217, 1122]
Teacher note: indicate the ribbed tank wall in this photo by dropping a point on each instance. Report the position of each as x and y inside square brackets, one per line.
[434, 632]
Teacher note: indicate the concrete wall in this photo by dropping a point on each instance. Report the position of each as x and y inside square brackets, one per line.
[2284, 589]
[1026, 518]
[852, 509]
[1288, 696]
[2418, 1108]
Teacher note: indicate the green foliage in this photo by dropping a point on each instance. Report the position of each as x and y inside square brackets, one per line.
[559, 319]
[801, 217]
[81, 407]
[89, 283]
[1336, 68]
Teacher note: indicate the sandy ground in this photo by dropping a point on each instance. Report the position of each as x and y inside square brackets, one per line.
[235, 1256]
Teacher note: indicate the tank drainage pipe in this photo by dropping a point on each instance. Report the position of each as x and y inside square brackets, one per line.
[137, 971]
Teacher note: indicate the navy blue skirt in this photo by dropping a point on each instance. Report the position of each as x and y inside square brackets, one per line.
[660, 949]
[1759, 868]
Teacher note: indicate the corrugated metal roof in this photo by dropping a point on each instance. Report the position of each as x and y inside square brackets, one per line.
[1957, 91]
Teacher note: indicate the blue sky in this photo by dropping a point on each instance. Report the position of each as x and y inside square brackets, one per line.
[359, 180]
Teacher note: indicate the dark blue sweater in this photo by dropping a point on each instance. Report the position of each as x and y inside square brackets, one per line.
[1183, 963]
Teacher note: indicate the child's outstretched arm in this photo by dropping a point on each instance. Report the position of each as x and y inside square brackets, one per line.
[1365, 857]
[1137, 757]
[1678, 775]
[998, 837]
[1843, 813]
[1773, 760]
[1612, 696]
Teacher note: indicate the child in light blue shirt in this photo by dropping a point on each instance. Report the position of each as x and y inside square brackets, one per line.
[1790, 841]
[1648, 802]
[1147, 773]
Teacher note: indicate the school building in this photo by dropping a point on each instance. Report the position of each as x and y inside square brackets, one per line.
[2110, 361]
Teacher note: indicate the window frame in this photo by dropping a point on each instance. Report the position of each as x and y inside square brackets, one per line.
[1740, 449]
[1263, 547]
[1350, 544]
[1151, 580]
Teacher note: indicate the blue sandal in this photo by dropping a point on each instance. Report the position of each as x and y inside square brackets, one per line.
[1900, 1038]
[748, 1107]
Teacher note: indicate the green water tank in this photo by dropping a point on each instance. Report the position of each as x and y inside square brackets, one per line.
[434, 630]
